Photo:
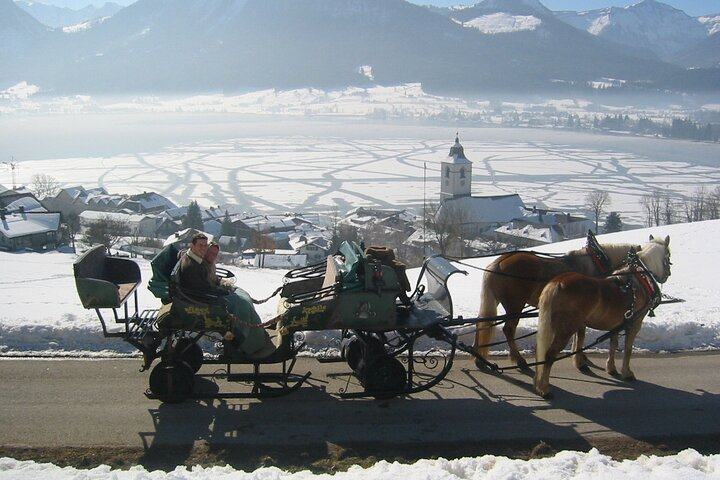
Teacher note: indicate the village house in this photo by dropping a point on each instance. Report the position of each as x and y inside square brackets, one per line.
[314, 245]
[147, 202]
[542, 227]
[36, 230]
[8, 196]
[75, 200]
[140, 225]
[371, 224]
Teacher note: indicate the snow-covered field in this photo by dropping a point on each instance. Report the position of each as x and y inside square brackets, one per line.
[278, 164]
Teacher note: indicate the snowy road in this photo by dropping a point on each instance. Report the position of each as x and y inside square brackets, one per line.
[100, 404]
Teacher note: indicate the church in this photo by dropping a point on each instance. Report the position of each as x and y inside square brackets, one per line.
[477, 215]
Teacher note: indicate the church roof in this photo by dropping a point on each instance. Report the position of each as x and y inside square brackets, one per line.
[457, 153]
[483, 210]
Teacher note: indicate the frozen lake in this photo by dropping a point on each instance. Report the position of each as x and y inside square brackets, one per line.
[275, 164]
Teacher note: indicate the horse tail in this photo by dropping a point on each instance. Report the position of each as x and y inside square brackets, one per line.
[484, 331]
[545, 330]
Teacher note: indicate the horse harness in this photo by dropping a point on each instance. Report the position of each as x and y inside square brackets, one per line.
[638, 277]
[597, 254]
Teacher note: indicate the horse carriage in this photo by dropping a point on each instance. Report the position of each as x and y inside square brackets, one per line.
[363, 296]
[360, 294]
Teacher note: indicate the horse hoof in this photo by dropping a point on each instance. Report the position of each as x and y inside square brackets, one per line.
[629, 378]
[547, 395]
[483, 366]
[584, 369]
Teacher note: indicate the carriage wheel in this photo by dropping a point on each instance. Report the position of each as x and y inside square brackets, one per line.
[352, 351]
[385, 377]
[190, 353]
[171, 381]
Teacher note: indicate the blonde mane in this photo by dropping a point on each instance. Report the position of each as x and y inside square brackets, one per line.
[617, 253]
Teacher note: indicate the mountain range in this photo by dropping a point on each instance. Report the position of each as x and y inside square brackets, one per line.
[58, 17]
[238, 45]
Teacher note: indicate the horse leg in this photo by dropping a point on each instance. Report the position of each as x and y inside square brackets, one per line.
[542, 374]
[626, 373]
[513, 311]
[485, 331]
[484, 334]
[610, 364]
[580, 359]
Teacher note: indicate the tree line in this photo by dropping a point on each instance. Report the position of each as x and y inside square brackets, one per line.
[665, 208]
[680, 128]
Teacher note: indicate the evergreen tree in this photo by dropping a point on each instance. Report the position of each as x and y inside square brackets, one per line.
[193, 219]
[227, 226]
[613, 223]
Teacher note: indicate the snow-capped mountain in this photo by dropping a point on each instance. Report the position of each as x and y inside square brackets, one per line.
[57, 17]
[649, 25]
[231, 45]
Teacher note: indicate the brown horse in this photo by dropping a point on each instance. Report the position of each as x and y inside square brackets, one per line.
[572, 301]
[516, 279]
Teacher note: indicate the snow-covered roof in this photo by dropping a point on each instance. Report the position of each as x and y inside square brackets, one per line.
[73, 192]
[483, 210]
[184, 236]
[150, 200]
[93, 215]
[28, 204]
[298, 240]
[20, 225]
[265, 223]
[219, 212]
[542, 233]
[174, 213]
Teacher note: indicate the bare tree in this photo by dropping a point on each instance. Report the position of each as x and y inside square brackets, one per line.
[695, 205]
[713, 204]
[596, 201]
[107, 231]
[440, 226]
[652, 203]
[669, 209]
[448, 224]
[71, 227]
[44, 186]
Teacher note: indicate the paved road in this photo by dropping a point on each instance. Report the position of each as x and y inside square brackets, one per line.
[100, 403]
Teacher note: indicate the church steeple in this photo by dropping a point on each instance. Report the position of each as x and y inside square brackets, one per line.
[456, 175]
[457, 150]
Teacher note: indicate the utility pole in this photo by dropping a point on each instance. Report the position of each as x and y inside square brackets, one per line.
[424, 211]
[13, 165]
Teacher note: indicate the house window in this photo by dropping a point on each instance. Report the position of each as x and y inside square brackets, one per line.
[462, 173]
[447, 172]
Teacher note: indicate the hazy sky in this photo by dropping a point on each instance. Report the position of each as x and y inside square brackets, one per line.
[691, 7]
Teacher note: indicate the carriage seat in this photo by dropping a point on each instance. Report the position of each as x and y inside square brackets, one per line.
[103, 281]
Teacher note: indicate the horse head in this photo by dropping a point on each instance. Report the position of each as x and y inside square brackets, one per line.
[655, 255]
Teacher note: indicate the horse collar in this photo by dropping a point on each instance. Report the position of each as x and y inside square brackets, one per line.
[647, 281]
[598, 256]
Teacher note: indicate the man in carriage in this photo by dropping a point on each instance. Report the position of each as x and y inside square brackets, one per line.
[196, 276]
